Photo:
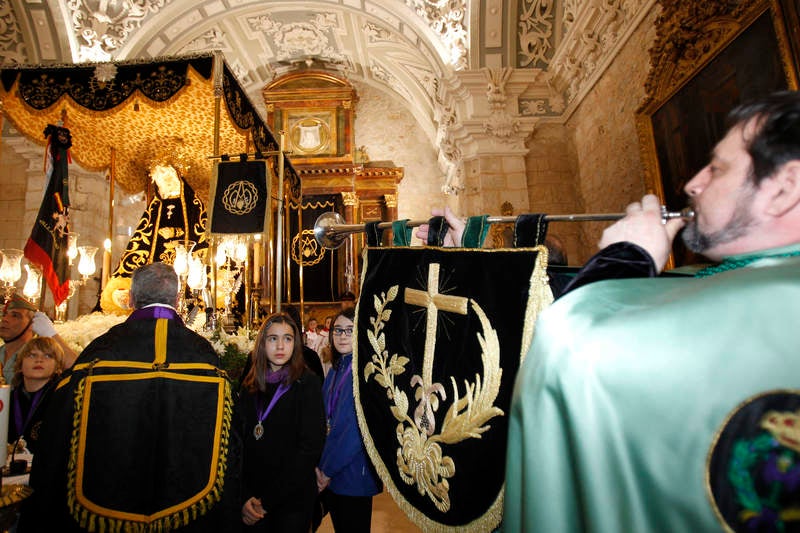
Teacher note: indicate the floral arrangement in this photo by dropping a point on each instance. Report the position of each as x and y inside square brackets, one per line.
[80, 332]
[233, 348]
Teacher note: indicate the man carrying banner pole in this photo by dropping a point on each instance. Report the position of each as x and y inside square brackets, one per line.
[47, 244]
[667, 404]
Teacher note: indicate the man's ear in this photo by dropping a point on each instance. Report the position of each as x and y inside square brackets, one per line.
[783, 189]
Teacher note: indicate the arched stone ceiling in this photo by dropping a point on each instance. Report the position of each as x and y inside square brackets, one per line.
[405, 48]
[438, 56]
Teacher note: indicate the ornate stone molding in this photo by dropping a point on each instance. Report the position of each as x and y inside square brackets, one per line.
[535, 34]
[12, 47]
[500, 123]
[311, 37]
[446, 18]
[594, 31]
[102, 27]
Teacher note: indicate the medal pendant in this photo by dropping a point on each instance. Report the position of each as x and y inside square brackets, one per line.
[258, 431]
[328, 424]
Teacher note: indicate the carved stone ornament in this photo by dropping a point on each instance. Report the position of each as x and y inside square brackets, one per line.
[12, 45]
[102, 27]
[536, 33]
[593, 28]
[447, 19]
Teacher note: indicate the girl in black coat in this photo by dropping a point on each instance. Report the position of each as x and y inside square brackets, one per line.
[281, 421]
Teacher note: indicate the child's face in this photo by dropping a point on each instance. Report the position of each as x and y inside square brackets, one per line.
[279, 344]
[343, 335]
[38, 365]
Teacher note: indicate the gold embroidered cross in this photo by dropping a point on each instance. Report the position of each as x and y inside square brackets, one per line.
[433, 301]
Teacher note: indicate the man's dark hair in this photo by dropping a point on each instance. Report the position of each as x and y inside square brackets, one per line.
[556, 253]
[156, 283]
[777, 136]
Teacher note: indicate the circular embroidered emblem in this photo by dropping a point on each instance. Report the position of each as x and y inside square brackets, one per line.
[306, 250]
[753, 471]
[240, 197]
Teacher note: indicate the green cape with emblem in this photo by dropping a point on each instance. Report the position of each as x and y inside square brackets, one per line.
[654, 405]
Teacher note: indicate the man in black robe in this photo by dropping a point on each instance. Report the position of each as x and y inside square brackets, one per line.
[137, 435]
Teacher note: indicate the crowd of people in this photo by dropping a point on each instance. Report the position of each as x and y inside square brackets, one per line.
[285, 448]
[273, 461]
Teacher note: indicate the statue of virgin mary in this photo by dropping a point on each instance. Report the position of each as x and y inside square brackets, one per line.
[176, 214]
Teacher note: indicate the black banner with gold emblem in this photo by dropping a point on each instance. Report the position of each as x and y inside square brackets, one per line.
[241, 194]
[441, 333]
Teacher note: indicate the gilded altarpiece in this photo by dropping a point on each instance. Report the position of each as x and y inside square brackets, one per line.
[316, 113]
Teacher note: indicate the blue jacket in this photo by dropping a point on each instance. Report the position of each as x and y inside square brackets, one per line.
[344, 458]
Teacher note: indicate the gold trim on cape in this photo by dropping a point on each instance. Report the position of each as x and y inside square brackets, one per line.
[97, 518]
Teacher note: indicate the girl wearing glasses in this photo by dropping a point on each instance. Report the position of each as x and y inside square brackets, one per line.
[280, 419]
[345, 472]
[38, 365]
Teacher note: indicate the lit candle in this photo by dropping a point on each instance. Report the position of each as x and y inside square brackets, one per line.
[256, 263]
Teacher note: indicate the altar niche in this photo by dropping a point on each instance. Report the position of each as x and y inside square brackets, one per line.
[316, 110]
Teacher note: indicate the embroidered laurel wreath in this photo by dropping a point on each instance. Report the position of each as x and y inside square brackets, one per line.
[420, 458]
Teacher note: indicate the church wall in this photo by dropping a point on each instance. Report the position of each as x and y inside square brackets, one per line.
[389, 132]
[492, 180]
[552, 186]
[603, 128]
[14, 179]
[23, 181]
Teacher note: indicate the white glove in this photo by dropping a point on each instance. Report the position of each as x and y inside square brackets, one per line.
[42, 325]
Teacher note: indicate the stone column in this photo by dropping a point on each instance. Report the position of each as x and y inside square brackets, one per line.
[485, 138]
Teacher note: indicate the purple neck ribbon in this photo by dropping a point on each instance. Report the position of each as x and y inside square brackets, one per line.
[20, 423]
[155, 311]
[261, 411]
[336, 390]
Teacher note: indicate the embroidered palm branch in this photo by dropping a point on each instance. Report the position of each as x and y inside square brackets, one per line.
[467, 417]
[385, 367]
[420, 459]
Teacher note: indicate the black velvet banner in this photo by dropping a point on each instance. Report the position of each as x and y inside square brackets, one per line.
[321, 267]
[441, 333]
[240, 197]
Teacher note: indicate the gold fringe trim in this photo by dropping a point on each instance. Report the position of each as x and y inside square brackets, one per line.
[540, 296]
[94, 522]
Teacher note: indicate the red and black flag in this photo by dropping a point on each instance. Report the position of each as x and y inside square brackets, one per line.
[47, 245]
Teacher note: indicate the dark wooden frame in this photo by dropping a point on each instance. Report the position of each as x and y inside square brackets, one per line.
[721, 61]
